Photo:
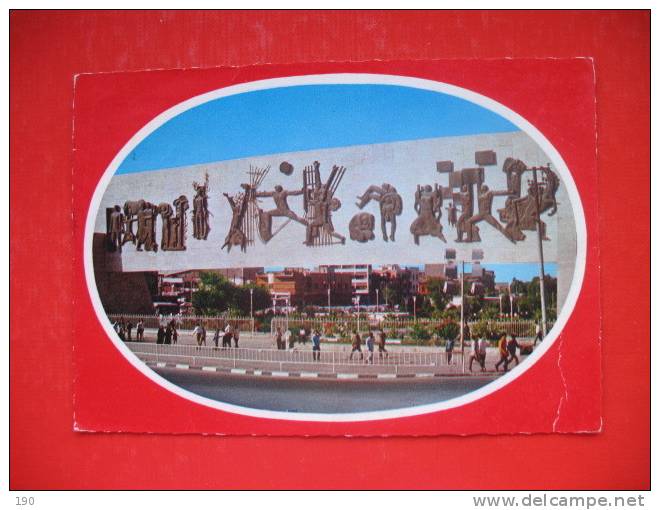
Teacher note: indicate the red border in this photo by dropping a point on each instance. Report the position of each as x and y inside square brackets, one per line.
[41, 129]
[110, 108]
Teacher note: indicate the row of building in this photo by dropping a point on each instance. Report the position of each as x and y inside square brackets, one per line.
[325, 285]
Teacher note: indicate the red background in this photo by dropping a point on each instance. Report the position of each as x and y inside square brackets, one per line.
[48, 49]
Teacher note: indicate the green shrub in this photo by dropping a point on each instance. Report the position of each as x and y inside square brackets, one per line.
[420, 332]
[485, 329]
[448, 330]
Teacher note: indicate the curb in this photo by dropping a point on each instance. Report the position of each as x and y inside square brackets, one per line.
[307, 374]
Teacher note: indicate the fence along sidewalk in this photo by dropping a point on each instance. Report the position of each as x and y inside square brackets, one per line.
[520, 328]
[186, 322]
[230, 357]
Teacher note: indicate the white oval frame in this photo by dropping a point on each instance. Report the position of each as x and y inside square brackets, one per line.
[344, 79]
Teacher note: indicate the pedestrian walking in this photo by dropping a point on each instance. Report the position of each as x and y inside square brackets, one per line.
[237, 334]
[129, 328]
[278, 338]
[511, 347]
[483, 350]
[203, 335]
[316, 346]
[286, 339]
[168, 334]
[371, 341]
[504, 354]
[356, 345]
[229, 334]
[139, 331]
[197, 334]
[119, 329]
[539, 333]
[380, 341]
[216, 337]
[449, 350]
[291, 340]
[160, 335]
[474, 353]
[175, 333]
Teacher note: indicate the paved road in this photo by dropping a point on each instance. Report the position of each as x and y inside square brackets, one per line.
[322, 396]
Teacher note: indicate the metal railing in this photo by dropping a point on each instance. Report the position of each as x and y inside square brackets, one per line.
[187, 322]
[330, 358]
[394, 327]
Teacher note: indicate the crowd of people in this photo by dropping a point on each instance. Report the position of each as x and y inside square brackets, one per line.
[124, 330]
[374, 338]
[507, 347]
[373, 341]
[507, 350]
[228, 332]
[167, 334]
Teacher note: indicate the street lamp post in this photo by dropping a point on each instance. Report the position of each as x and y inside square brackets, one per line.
[328, 299]
[540, 245]
[414, 298]
[462, 315]
[288, 304]
[510, 303]
[377, 307]
[251, 311]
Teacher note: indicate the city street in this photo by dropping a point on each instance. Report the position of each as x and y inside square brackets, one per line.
[320, 396]
[267, 341]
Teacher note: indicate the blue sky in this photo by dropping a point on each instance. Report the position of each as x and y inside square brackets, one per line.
[524, 272]
[307, 117]
[503, 272]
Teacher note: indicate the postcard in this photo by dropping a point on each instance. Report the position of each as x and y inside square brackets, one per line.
[341, 249]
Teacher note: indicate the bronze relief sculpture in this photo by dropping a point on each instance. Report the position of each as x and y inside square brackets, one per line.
[173, 236]
[484, 211]
[114, 228]
[131, 210]
[248, 219]
[245, 213]
[361, 227]
[279, 196]
[201, 226]
[319, 203]
[391, 206]
[519, 212]
[146, 227]
[428, 206]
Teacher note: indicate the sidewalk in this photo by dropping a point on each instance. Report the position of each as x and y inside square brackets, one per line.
[267, 341]
[334, 359]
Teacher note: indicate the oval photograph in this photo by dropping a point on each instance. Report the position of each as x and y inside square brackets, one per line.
[335, 247]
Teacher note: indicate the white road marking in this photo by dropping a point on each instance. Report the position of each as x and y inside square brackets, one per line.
[308, 374]
[280, 374]
[347, 376]
[210, 369]
[238, 371]
[181, 365]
